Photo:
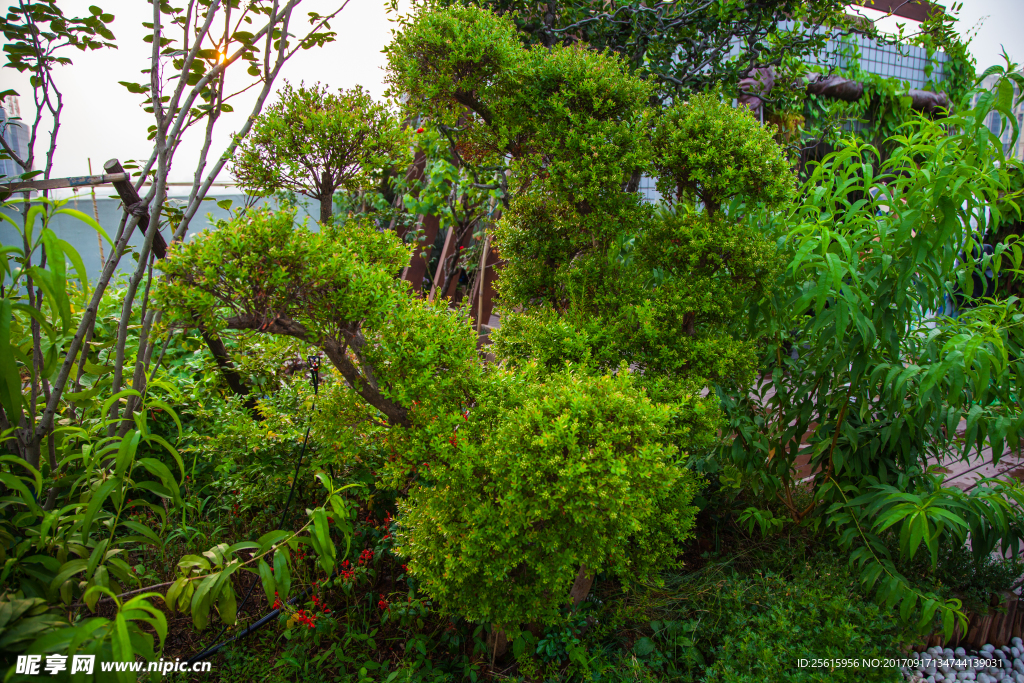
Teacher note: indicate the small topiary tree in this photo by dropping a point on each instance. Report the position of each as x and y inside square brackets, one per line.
[314, 142]
[524, 479]
[593, 278]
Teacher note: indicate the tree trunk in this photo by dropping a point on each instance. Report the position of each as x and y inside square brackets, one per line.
[326, 205]
[497, 643]
[581, 586]
[228, 371]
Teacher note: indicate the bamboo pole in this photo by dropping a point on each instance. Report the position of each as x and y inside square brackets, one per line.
[96, 214]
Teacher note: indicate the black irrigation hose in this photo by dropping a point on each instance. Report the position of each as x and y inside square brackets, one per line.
[314, 368]
[249, 629]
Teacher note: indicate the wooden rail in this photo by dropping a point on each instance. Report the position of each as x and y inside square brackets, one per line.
[73, 181]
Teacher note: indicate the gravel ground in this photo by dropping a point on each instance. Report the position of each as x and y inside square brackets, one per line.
[989, 665]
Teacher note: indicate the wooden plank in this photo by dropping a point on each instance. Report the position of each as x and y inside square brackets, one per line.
[977, 632]
[55, 183]
[1002, 624]
[133, 205]
[918, 10]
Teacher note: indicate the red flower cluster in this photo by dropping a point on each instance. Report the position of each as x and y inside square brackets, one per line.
[382, 603]
[277, 602]
[346, 573]
[405, 568]
[366, 556]
[419, 130]
[307, 618]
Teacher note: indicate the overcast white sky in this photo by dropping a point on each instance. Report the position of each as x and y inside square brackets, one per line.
[102, 120]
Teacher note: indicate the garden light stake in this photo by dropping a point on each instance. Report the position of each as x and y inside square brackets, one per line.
[314, 374]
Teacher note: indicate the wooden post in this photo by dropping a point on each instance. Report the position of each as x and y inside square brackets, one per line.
[133, 205]
[450, 293]
[484, 305]
[440, 262]
[417, 268]
[96, 215]
[481, 280]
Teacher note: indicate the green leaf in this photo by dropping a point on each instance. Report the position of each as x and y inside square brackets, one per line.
[174, 593]
[267, 577]
[67, 570]
[95, 504]
[156, 467]
[10, 378]
[227, 605]
[643, 647]
[200, 604]
[282, 575]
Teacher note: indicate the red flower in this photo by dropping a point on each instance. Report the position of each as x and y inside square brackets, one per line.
[419, 130]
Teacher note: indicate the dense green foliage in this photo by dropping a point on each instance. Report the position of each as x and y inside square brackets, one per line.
[545, 477]
[770, 619]
[589, 494]
[865, 370]
[680, 47]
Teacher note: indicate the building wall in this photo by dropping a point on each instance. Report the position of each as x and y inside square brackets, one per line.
[908, 63]
[16, 136]
[83, 238]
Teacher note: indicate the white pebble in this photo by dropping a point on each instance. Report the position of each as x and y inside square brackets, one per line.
[987, 647]
[960, 652]
[1015, 651]
[1017, 642]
